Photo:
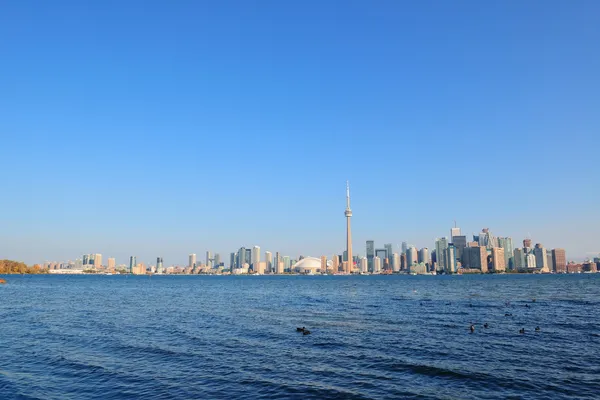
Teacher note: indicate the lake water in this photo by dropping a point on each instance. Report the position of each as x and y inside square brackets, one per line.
[202, 337]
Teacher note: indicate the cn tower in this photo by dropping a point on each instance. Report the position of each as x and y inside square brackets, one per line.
[348, 213]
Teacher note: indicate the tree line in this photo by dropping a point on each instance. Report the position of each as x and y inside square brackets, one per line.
[16, 267]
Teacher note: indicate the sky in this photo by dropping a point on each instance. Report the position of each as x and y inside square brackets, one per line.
[160, 128]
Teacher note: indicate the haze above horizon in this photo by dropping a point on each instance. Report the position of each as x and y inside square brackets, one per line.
[155, 128]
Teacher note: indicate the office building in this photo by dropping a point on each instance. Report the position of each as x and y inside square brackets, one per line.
[248, 256]
[507, 244]
[132, 264]
[440, 250]
[370, 254]
[111, 264]
[454, 232]
[527, 243]
[389, 251]
[209, 259]
[541, 259]
[475, 258]
[487, 240]
[559, 259]
[530, 261]
[192, 261]
[519, 259]
[232, 263]
[450, 258]
[159, 264]
[404, 247]
[460, 242]
[287, 263]
[241, 257]
[269, 261]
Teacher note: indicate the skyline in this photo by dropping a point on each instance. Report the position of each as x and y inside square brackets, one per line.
[143, 128]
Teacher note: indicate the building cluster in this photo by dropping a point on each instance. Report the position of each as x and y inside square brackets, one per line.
[455, 254]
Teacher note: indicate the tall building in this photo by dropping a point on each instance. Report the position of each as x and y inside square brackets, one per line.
[370, 254]
[248, 256]
[498, 261]
[530, 261]
[98, 260]
[209, 259]
[559, 259]
[460, 242]
[286, 263]
[217, 260]
[507, 244]
[132, 264]
[396, 262]
[382, 254]
[231, 261]
[269, 261]
[389, 251]
[192, 261]
[424, 255]
[487, 240]
[527, 242]
[551, 266]
[475, 257]
[454, 232]
[440, 250]
[159, 264]
[335, 263]
[376, 265]
[404, 247]
[348, 214]
[450, 267]
[364, 265]
[255, 255]
[541, 260]
[411, 256]
[86, 259]
[111, 264]
[519, 259]
[241, 257]
[323, 264]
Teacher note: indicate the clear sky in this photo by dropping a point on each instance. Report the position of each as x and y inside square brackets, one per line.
[162, 128]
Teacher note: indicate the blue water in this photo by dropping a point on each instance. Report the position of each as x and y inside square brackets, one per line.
[201, 337]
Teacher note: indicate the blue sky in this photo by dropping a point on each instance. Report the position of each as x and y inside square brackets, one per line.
[156, 128]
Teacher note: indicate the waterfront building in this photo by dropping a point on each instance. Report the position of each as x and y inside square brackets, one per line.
[216, 261]
[376, 265]
[411, 256]
[286, 263]
[232, 261]
[541, 259]
[382, 254]
[396, 262]
[269, 261]
[404, 247]
[209, 259]
[460, 242]
[255, 255]
[370, 254]
[364, 265]
[241, 257]
[559, 259]
[191, 260]
[527, 243]
[519, 259]
[403, 264]
[530, 261]
[348, 214]
[388, 251]
[507, 244]
[111, 264]
[323, 264]
[424, 255]
[487, 240]
[550, 261]
[132, 264]
[498, 263]
[159, 264]
[335, 263]
[450, 267]
[440, 250]
[475, 258]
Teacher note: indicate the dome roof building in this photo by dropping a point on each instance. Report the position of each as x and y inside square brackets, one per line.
[308, 265]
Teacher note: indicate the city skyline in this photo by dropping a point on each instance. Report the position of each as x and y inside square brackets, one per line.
[193, 127]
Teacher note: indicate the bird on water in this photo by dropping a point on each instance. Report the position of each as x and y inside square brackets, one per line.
[472, 328]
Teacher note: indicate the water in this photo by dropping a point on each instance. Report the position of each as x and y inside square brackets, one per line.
[192, 337]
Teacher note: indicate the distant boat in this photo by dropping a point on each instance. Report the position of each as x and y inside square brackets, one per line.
[108, 273]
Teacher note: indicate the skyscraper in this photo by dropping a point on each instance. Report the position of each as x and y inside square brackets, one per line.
[389, 251]
[411, 256]
[370, 254]
[376, 265]
[248, 256]
[192, 260]
[111, 264]
[454, 232]
[424, 255]
[132, 264]
[241, 257]
[450, 259]
[541, 260]
[269, 261]
[348, 214]
[404, 247]
[395, 262]
[440, 250]
[98, 260]
[507, 244]
[231, 261]
[519, 259]
[159, 264]
[364, 265]
[255, 255]
[498, 261]
[217, 260]
[209, 259]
